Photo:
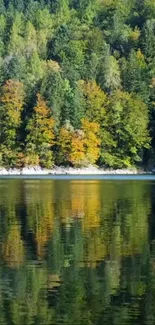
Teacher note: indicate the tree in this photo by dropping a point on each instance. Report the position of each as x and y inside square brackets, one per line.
[64, 143]
[149, 39]
[73, 108]
[2, 7]
[3, 33]
[77, 152]
[91, 140]
[126, 134]
[96, 101]
[85, 144]
[30, 39]
[16, 42]
[52, 88]
[11, 107]
[112, 80]
[40, 138]
[80, 147]
[135, 74]
[149, 8]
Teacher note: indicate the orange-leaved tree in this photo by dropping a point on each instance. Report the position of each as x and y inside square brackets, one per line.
[40, 138]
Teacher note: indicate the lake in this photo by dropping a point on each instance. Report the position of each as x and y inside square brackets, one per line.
[77, 252]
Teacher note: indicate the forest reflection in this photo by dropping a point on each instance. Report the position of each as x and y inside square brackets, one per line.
[77, 252]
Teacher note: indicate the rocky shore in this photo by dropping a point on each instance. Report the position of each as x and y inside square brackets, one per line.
[90, 170]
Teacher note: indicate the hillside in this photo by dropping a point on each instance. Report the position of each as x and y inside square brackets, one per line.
[77, 83]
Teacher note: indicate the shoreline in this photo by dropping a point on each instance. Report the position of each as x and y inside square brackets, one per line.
[90, 170]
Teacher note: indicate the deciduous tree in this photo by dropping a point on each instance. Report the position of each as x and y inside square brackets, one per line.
[40, 138]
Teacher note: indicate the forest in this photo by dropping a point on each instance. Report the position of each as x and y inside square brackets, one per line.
[77, 83]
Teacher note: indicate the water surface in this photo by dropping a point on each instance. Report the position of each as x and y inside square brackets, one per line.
[77, 252]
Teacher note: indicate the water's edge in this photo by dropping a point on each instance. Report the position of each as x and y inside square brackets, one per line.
[93, 178]
[61, 171]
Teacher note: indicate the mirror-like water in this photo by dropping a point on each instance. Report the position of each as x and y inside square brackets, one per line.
[77, 252]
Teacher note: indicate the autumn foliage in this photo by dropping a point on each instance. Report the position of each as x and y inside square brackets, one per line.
[11, 107]
[40, 138]
[77, 150]
[80, 147]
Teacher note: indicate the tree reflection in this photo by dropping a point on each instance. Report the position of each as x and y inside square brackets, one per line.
[76, 252]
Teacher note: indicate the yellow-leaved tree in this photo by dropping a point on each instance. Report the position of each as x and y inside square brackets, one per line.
[85, 144]
[40, 138]
[77, 153]
[64, 144]
[79, 147]
[11, 106]
[96, 101]
[91, 140]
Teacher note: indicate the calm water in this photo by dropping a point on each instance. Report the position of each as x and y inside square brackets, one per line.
[77, 252]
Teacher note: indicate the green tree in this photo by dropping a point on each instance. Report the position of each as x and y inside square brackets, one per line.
[112, 80]
[127, 134]
[16, 42]
[2, 7]
[52, 88]
[135, 74]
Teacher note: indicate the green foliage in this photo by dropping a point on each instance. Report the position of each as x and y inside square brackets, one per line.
[134, 74]
[87, 59]
[112, 79]
[126, 130]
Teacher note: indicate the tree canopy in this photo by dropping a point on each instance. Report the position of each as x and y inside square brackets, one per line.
[65, 64]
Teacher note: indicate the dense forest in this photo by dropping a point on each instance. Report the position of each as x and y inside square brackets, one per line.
[77, 82]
